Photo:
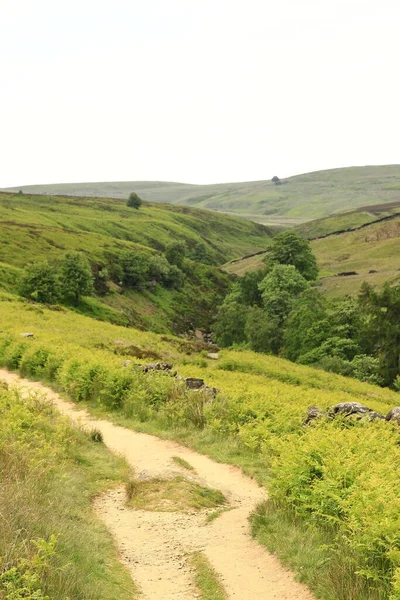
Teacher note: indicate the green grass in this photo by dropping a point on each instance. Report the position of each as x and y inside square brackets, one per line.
[207, 581]
[49, 472]
[183, 463]
[172, 495]
[312, 195]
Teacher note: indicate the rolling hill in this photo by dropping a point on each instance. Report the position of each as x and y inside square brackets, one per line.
[35, 228]
[298, 199]
[371, 253]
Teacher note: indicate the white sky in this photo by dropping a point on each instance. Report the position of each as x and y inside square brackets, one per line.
[199, 91]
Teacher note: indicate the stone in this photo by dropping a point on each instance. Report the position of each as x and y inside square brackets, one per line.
[127, 363]
[394, 414]
[213, 355]
[313, 413]
[349, 408]
[27, 334]
[161, 366]
[194, 383]
[373, 415]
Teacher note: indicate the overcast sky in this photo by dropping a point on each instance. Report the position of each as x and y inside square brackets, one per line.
[198, 91]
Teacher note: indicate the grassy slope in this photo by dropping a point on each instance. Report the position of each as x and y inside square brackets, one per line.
[311, 195]
[262, 404]
[43, 227]
[374, 247]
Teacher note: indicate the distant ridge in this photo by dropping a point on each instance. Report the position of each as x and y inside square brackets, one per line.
[304, 197]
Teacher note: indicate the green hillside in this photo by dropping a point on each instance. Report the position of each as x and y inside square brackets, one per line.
[333, 486]
[35, 228]
[348, 220]
[375, 248]
[299, 198]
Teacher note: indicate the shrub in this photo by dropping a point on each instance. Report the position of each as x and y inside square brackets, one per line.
[134, 201]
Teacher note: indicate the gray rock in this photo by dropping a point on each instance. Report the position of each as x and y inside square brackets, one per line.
[127, 363]
[157, 367]
[194, 383]
[373, 415]
[27, 334]
[213, 355]
[394, 414]
[349, 408]
[313, 413]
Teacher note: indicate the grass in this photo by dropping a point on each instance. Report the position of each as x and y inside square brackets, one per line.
[49, 472]
[183, 463]
[214, 515]
[373, 248]
[208, 582]
[172, 495]
[308, 551]
[311, 195]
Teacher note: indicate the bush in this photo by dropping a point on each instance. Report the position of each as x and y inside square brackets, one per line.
[134, 201]
[41, 283]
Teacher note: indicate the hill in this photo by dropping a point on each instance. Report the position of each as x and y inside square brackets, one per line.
[334, 485]
[371, 253]
[35, 228]
[298, 199]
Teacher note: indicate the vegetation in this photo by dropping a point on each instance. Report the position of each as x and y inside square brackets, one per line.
[133, 281]
[342, 474]
[183, 463]
[308, 196]
[48, 473]
[207, 581]
[178, 494]
[134, 201]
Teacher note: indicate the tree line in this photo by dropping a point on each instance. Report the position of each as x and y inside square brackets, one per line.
[279, 310]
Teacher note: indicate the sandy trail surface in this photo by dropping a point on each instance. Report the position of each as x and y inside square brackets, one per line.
[155, 546]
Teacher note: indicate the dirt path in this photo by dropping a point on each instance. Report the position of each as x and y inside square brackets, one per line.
[155, 545]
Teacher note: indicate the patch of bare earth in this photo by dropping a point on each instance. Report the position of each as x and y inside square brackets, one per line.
[155, 546]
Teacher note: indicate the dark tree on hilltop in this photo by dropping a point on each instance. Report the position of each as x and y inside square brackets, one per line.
[276, 180]
[134, 201]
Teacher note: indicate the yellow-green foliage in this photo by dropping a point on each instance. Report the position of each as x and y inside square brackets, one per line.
[342, 475]
[50, 544]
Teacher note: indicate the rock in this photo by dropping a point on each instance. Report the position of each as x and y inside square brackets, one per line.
[213, 355]
[313, 412]
[194, 383]
[394, 414]
[27, 334]
[161, 366]
[127, 363]
[349, 408]
[375, 415]
[346, 273]
[212, 391]
[372, 271]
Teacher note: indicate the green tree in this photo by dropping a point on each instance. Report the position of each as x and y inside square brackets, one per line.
[134, 201]
[175, 253]
[250, 291]
[76, 276]
[262, 333]
[288, 248]
[279, 290]
[41, 283]
[135, 268]
[231, 318]
[303, 330]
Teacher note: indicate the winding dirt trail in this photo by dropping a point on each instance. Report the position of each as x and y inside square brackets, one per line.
[155, 545]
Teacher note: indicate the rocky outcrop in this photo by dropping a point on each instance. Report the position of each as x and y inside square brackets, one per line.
[194, 383]
[313, 413]
[161, 366]
[349, 408]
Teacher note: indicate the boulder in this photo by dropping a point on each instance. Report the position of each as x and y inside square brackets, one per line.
[213, 355]
[394, 414]
[313, 413]
[127, 363]
[161, 366]
[27, 334]
[375, 415]
[194, 383]
[349, 408]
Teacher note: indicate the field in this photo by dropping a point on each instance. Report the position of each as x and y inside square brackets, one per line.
[334, 480]
[35, 228]
[302, 197]
[375, 248]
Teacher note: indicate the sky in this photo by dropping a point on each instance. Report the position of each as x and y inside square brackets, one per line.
[196, 91]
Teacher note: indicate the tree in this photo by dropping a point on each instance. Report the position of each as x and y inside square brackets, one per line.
[231, 319]
[175, 253]
[41, 283]
[279, 290]
[134, 201]
[135, 268]
[262, 332]
[288, 248]
[76, 276]
[303, 331]
[250, 291]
